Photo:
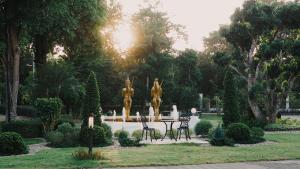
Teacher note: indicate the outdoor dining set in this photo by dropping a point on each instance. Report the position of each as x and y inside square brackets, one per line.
[183, 127]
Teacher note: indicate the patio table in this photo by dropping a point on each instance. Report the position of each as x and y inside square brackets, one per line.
[169, 128]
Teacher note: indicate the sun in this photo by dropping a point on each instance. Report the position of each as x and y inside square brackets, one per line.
[122, 37]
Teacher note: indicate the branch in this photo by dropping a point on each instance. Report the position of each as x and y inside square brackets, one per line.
[238, 72]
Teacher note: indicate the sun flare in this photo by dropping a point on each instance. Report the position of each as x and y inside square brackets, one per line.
[123, 37]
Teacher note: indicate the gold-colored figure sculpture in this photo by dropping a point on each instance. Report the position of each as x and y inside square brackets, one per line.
[156, 93]
[127, 93]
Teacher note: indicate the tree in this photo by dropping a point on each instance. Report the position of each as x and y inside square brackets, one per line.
[255, 29]
[230, 99]
[91, 103]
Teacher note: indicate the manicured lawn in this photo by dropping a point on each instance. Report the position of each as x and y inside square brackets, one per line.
[29, 141]
[287, 147]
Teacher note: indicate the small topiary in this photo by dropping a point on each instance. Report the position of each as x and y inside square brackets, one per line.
[203, 127]
[55, 138]
[125, 141]
[108, 133]
[157, 134]
[117, 133]
[217, 136]
[65, 128]
[99, 136]
[257, 132]
[11, 143]
[137, 134]
[239, 132]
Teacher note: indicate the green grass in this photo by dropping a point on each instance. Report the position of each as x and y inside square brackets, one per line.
[287, 146]
[213, 118]
[29, 141]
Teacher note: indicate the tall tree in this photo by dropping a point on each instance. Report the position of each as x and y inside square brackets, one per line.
[255, 26]
[230, 106]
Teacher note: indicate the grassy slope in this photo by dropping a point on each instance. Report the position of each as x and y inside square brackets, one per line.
[288, 147]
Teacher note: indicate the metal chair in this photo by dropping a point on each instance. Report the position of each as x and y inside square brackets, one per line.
[184, 125]
[146, 128]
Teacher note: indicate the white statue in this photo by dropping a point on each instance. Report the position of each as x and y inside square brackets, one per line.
[151, 114]
[114, 115]
[123, 117]
[175, 113]
[138, 117]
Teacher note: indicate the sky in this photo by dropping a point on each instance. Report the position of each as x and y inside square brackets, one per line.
[200, 17]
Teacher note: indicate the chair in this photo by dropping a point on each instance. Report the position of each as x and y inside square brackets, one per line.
[184, 125]
[146, 128]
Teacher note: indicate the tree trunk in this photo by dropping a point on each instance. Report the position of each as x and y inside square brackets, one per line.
[12, 63]
[251, 80]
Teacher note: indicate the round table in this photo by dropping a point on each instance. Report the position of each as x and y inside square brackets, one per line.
[169, 128]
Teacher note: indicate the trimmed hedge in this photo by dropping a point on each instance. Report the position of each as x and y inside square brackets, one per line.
[26, 128]
[102, 135]
[203, 127]
[22, 110]
[11, 143]
[125, 141]
[239, 132]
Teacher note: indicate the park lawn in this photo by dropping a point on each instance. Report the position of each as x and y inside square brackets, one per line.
[29, 141]
[287, 146]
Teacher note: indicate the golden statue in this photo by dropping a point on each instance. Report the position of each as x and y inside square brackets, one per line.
[127, 93]
[156, 93]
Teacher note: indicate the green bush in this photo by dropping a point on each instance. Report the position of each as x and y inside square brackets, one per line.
[65, 128]
[61, 121]
[137, 134]
[125, 141]
[55, 138]
[239, 132]
[91, 103]
[117, 133]
[108, 132]
[12, 143]
[27, 128]
[49, 110]
[203, 127]
[26, 110]
[217, 137]
[82, 154]
[230, 106]
[22, 110]
[101, 136]
[257, 132]
[64, 136]
[157, 134]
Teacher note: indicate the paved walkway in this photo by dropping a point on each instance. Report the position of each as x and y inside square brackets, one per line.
[289, 164]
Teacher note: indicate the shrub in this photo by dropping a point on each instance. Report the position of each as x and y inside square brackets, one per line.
[203, 127]
[257, 132]
[12, 143]
[230, 106]
[157, 134]
[99, 136]
[253, 122]
[64, 136]
[108, 132]
[137, 134]
[239, 132]
[22, 110]
[55, 138]
[65, 128]
[49, 110]
[27, 110]
[91, 103]
[125, 141]
[61, 121]
[117, 133]
[82, 154]
[27, 128]
[217, 137]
